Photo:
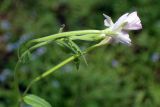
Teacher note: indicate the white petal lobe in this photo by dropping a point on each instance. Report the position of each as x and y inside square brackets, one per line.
[108, 21]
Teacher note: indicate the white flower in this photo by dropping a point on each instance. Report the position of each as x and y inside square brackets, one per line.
[121, 27]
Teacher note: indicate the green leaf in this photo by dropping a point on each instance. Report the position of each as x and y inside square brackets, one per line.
[67, 42]
[77, 50]
[25, 56]
[77, 63]
[35, 101]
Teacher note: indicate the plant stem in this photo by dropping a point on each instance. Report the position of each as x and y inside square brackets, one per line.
[66, 34]
[19, 98]
[48, 72]
[89, 35]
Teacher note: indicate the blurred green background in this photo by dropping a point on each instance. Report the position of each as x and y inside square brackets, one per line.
[116, 75]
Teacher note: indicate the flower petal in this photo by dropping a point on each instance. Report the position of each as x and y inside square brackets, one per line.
[123, 37]
[133, 22]
[120, 22]
[108, 21]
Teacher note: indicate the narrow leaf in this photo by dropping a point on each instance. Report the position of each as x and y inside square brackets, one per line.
[77, 63]
[78, 50]
[67, 42]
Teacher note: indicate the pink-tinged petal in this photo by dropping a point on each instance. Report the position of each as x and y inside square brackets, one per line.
[120, 21]
[123, 37]
[108, 21]
[133, 22]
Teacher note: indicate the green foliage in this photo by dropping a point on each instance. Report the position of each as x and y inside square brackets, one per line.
[116, 75]
[36, 101]
[74, 48]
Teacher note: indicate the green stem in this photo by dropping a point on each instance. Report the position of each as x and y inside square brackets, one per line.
[66, 34]
[35, 47]
[19, 98]
[48, 72]
[88, 37]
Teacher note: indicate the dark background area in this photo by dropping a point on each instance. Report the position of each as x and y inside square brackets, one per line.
[116, 75]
